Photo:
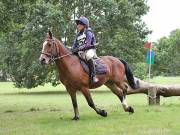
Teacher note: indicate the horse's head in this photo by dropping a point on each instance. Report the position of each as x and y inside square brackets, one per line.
[49, 50]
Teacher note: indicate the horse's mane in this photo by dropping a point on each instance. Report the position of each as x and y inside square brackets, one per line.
[61, 44]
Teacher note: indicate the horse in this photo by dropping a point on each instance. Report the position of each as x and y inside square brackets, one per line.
[74, 78]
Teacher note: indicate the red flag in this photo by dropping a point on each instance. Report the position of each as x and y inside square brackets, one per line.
[148, 45]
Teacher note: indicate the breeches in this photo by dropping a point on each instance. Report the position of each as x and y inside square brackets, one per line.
[87, 54]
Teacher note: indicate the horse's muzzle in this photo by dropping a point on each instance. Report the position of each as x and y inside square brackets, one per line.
[42, 61]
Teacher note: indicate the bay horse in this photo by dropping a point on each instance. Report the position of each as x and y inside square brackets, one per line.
[74, 78]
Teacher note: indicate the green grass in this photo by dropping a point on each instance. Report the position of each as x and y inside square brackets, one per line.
[48, 111]
[166, 80]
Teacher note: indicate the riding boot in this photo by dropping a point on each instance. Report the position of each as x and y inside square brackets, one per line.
[92, 71]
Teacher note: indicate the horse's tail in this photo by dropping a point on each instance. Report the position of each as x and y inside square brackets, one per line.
[129, 75]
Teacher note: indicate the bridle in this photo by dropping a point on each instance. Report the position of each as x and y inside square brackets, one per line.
[57, 56]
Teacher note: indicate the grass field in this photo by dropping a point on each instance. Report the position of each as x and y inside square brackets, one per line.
[48, 111]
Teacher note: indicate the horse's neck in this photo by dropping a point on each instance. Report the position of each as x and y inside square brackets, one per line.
[62, 49]
[64, 64]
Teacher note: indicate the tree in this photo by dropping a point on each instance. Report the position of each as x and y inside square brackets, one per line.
[117, 25]
[167, 54]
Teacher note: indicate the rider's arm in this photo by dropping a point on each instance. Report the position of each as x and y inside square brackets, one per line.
[74, 44]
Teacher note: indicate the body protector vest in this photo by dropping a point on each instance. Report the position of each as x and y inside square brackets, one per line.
[81, 38]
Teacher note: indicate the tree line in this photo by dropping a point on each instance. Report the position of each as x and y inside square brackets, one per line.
[117, 24]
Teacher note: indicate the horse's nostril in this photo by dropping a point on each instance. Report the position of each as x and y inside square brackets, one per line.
[42, 61]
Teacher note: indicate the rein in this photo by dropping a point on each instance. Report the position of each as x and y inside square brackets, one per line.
[56, 58]
[53, 58]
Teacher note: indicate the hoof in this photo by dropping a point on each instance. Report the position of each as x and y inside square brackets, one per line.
[75, 118]
[130, 109]
[103, 113]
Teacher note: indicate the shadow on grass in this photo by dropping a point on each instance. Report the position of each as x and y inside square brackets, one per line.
[50, 93]
[84, 117]
[35, 109]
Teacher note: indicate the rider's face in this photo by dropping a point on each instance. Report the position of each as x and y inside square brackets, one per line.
[80, 27]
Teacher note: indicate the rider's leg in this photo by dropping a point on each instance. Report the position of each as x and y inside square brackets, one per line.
[90, 54]
[92, 71]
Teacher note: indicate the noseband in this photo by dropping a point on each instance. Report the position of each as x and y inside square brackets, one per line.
[55, 57]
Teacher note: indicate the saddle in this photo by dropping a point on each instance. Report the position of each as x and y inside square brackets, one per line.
[100, 66]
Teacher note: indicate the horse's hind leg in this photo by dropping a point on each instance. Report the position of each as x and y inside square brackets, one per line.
[125, 105]
[119, 92]
[89, 99]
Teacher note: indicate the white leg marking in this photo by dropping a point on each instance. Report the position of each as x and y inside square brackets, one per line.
[124, 102]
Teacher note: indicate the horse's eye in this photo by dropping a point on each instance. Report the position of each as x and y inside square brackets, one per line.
[49, 45]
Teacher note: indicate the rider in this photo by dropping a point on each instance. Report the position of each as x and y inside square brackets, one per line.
[84, 45]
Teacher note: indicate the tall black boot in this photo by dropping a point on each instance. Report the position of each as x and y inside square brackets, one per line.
[92, 71]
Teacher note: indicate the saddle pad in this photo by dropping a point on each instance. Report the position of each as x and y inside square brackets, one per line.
[101, 67]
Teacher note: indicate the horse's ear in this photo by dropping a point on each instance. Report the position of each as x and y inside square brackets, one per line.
[50, 34]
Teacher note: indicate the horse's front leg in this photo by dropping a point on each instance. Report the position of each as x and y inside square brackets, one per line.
[74, 102]
[89, 99]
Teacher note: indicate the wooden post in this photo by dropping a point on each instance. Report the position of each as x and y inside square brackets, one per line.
[151, 92]
[152, 96]
[157, 99]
